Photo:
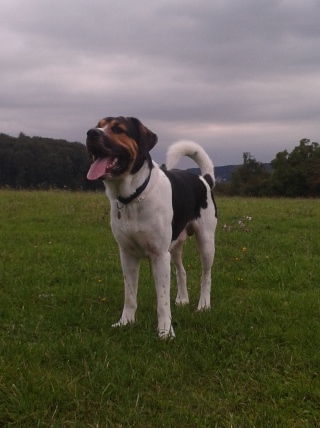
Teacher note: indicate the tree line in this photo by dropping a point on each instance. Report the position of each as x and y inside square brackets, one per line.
[45, 163]
[293, 174]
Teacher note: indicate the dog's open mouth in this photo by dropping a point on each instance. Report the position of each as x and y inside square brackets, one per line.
[107, 167]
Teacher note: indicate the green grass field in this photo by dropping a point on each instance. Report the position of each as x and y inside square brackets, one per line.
[253, 361]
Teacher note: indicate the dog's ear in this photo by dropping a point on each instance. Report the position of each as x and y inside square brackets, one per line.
[146, 139]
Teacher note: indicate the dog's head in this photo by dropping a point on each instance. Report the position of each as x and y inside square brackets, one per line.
[118, 146]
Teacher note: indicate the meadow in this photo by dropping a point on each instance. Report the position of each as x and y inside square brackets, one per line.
[252, 361]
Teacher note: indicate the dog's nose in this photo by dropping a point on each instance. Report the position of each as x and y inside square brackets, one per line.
[94, 132]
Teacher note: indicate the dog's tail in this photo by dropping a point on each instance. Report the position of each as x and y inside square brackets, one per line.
[193, 151]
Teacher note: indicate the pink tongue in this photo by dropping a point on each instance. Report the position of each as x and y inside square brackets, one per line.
[97, 169]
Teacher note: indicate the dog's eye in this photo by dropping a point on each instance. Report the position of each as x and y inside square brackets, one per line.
[116, 129]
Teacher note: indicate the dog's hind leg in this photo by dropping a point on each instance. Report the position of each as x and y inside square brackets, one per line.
[206, 264]
[130, 268]
[176, 257]
[205, 242]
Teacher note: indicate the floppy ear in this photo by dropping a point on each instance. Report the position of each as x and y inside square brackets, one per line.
[146, 139]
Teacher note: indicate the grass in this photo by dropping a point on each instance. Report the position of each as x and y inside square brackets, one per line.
[253, 361]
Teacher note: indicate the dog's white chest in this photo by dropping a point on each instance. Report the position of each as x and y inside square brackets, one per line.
[137, 230]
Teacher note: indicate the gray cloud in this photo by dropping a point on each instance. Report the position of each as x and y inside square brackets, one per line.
[234, 76]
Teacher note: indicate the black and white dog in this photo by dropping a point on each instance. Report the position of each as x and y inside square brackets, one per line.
[153, 210]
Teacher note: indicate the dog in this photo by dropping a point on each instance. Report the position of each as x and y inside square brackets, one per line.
[153, 210]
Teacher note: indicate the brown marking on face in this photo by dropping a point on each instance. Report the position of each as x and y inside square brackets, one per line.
[102, 123]
[118, 133]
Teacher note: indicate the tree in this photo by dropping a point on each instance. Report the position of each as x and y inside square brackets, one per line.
[37, 162]
[249, 179]
[314, 180]
[297, 173]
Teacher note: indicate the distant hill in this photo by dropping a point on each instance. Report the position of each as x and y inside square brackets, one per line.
[223, 173]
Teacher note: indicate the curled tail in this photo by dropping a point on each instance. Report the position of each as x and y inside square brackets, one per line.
[193, 151]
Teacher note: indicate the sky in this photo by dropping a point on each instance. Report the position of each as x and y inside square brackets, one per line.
[233, 75]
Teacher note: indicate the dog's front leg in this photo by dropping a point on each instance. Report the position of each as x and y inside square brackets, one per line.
[130, 267]
[161, 271]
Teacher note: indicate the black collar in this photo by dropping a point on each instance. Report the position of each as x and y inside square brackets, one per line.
[137, 193]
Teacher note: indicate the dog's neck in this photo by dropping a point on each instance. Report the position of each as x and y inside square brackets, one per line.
[130, 187]
[126, 200]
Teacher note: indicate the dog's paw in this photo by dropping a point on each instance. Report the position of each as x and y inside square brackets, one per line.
[165, 334]
[117, 324]
[123, 322]
[181, 301]
[204, 302]
[205, 307]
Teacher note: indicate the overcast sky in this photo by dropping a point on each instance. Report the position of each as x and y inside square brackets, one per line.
[234, 75]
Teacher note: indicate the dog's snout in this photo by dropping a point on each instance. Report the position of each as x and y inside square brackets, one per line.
[94, 132]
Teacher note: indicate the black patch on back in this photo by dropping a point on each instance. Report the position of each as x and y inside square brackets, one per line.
[189, 195]
[209, 180]
[214, 204]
